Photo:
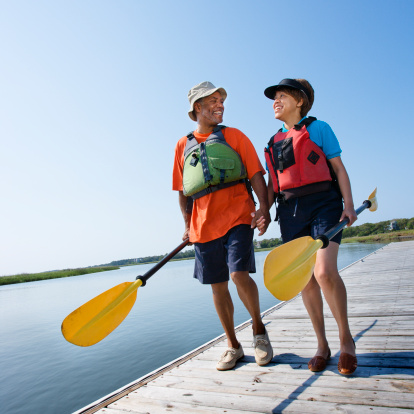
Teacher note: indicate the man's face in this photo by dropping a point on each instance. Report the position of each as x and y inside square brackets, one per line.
[211, 109]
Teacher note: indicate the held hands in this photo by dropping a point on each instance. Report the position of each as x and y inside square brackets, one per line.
[261, 220]
[350, 214]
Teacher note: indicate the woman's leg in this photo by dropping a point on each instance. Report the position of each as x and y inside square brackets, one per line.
[333, 288]
[312, 300]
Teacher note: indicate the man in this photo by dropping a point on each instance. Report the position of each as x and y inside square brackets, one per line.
[213, 169]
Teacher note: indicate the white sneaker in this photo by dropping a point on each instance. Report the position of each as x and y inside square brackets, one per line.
[229, 358]
[263, 351]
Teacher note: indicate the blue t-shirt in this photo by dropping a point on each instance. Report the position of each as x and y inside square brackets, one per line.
[322, 135]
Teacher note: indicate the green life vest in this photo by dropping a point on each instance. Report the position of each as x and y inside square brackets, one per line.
[211, 165]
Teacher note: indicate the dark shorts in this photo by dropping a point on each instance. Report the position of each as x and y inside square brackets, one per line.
[214, 260]
[310, 215]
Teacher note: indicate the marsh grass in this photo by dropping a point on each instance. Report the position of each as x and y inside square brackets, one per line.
[32, 277]
[392, 236]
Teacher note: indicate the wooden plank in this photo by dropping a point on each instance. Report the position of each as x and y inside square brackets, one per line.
[302, 391]
[363, 372]
[160, 406]
[240, 402]
[371, 361]
[293, 378]
[381, 314]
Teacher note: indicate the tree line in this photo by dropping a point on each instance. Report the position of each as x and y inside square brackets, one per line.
[366, 229]
[188, 254]
[369, 229]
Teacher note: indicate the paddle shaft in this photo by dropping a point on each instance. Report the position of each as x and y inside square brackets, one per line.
[336, 229]
[162, 262]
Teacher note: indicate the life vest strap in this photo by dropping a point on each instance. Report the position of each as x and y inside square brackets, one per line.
[307, 121]
[192, 142]
[219, 180]
[304, 190]
[214, 188]
[204, 163]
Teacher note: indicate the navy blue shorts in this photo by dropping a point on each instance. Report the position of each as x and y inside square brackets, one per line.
[310, 215]
[214, 260]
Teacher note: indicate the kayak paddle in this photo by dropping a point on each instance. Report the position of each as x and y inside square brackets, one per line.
[289, 267]
[96, 319]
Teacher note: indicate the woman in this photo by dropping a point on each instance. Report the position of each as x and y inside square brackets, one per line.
[312, 189]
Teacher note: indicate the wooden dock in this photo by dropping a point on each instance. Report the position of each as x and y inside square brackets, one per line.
[381, 315]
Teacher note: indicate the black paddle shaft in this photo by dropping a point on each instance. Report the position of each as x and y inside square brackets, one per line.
[162, 262]
[336, 229]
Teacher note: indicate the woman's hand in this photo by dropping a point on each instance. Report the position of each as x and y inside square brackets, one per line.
[350, 214]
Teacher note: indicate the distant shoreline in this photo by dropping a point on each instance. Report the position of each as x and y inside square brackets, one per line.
[395, 236]
[55, 274]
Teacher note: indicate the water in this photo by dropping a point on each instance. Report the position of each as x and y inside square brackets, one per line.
[42, 373]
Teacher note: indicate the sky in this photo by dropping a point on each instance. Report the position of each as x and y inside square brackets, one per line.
[93, 98]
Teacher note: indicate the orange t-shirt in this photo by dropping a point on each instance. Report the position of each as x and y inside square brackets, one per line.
[216, 213]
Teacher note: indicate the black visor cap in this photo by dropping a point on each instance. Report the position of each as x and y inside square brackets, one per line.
[289, 83]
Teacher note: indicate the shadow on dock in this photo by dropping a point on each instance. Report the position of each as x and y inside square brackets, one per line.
[388, 361]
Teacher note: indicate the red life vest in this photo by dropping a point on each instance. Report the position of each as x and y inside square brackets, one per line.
[296, 164]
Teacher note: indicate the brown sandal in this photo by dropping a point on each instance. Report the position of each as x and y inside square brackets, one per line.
[318, 363]
[347, 364]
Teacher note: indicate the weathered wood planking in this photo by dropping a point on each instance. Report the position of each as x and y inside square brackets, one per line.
[381, 313]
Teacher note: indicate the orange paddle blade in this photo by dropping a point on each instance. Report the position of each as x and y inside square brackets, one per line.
[374, 202]
[289, 267]
[96, 319]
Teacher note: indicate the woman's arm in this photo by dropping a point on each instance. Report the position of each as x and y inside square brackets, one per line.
[345, 186]
[270, 191]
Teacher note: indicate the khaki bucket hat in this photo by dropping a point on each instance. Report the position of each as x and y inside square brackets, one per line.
[202, 90]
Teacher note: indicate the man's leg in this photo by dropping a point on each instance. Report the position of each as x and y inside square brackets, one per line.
[249, 295]
[225, 311]
[241, 262]
[211, 268]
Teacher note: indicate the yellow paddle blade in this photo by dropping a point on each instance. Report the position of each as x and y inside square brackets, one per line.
[373, 198]
[289, 267]
[96, 319]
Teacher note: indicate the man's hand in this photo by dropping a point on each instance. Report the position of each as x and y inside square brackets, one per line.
[261, 220]
[182, 200]
[186, 235]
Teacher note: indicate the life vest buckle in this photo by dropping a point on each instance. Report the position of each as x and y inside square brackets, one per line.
[280, 159]
[281, 198]
[194, 160]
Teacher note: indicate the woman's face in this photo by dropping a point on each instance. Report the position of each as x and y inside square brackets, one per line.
[286, 106]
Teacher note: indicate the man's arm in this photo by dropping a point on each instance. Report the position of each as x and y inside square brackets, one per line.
[261, 218]
[183, 200]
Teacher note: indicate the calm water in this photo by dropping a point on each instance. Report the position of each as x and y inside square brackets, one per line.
[42, 373]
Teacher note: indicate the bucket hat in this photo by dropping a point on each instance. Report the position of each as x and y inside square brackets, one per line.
[202, 90]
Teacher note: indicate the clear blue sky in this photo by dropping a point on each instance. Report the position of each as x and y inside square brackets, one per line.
[93, 98]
